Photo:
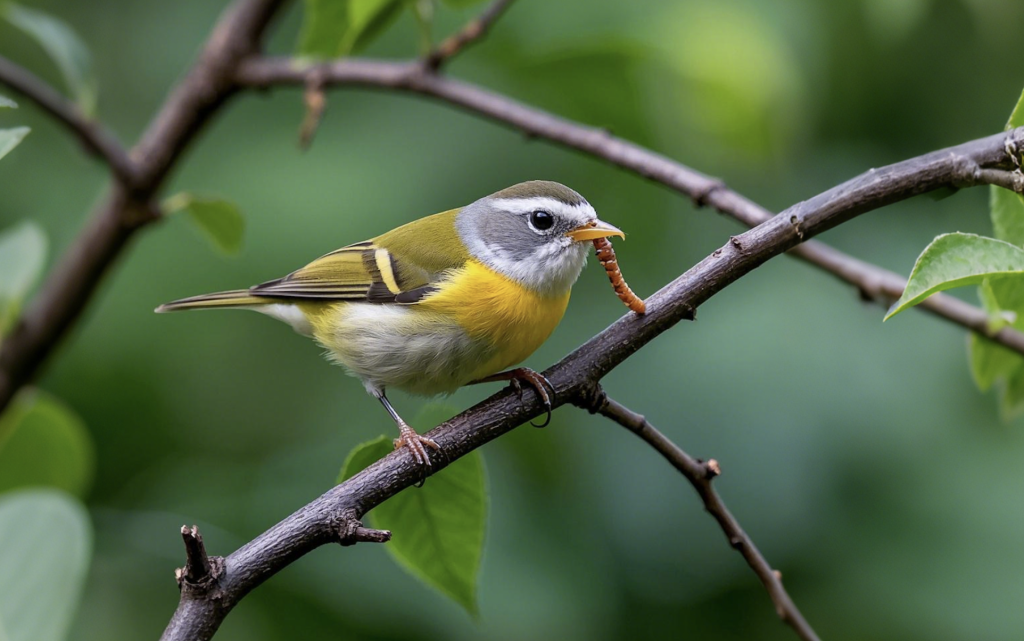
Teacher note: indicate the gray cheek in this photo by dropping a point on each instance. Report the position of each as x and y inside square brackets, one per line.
[509, 236]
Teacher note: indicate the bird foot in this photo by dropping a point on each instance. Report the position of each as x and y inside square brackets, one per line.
[538, 382]
[408, 438]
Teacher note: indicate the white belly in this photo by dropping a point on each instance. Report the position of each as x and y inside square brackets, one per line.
[388, 346]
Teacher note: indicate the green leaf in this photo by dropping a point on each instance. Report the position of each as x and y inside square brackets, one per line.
[1003, 300]
[324, 24]
[63, 46]
[9, 139]
[955, 260]
[423, 12]
[1000, 312]
[42, 442]
[219, 220]
[438, 529]
[7, 103]
[22, 257]
[369, 19]
[45, 545]
[1007, 211]
[990, 361]
[363, 455]
[335, 28]
[1017, 116]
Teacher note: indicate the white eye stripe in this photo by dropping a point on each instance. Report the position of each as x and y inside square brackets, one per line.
[581, 213]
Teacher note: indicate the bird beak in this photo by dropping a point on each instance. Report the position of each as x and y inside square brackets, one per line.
[594, 229]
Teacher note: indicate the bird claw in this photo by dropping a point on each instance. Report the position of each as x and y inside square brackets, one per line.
[408, 438]
[540, 384]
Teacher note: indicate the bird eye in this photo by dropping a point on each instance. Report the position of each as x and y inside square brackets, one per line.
[541, 220]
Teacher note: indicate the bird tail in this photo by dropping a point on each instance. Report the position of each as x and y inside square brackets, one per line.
[233, 298]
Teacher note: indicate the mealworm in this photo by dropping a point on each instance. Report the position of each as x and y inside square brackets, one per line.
[606, 255]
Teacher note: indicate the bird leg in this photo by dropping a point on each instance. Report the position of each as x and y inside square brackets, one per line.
[538, 382]
[407, 437]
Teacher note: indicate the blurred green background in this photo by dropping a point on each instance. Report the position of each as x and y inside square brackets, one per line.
[859, 456]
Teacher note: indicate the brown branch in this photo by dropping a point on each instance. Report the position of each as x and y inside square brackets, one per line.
[71, 283]
[475, 30]
[93, 135]
[575, 376]
[873, 283]
[700, 474]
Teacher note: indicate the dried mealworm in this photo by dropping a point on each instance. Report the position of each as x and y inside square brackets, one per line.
[606, 255]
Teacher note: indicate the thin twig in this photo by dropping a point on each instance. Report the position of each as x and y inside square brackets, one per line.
[700, 474]
[873, 283]
[93, 135]
[351, 531]
[1012, 180]
[474, 31]
[574, 377]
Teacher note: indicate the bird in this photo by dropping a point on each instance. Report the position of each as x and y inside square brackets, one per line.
[448, 300]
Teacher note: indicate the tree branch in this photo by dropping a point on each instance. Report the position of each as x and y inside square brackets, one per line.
[700, 474]
[71, 283]
[873, 283]
[93, 135]
[576, 375]
[476, 29]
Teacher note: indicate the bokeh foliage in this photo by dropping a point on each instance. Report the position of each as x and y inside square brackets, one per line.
[858, 455]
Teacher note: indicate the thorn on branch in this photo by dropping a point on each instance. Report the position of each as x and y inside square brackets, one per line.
[712, 469]
[351, 531]
[200, 571]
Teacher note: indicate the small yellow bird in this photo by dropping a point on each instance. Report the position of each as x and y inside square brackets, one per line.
[442, 302]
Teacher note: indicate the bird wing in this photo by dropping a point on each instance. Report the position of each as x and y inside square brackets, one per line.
[360, 272]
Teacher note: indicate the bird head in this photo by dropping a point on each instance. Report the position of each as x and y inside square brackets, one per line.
[536, 233]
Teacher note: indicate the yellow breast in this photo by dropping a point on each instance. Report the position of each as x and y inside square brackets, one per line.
[495, 309]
